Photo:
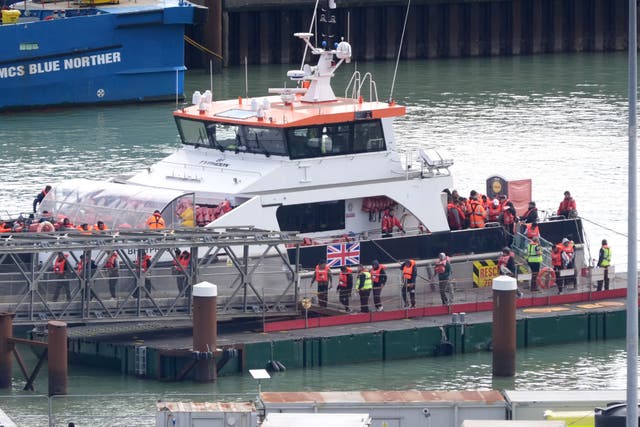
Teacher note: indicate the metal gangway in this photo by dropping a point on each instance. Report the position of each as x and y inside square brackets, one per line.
[250, 267]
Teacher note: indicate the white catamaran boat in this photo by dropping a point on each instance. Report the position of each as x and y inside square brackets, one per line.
[298, 159]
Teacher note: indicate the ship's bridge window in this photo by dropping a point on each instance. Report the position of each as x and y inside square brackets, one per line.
[237, 138]
[335, 139]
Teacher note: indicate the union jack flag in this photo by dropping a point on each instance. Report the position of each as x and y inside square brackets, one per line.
[343, 254]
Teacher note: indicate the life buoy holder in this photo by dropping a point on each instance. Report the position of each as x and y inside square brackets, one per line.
[45, 227]
[546, 278]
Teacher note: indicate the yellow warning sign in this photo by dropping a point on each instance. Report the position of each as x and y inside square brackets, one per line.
[484, 272]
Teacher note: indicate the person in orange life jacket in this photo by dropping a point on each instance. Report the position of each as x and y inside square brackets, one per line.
[155, 221]
[556, 263]
[409, 274]
[568, 261]
[532, 230]
[111, 271]
[534, 259]
[67, 225]
[182, 270]
[40, 197]
[322, 275]
[567, 206]
[61, 274]
[477, 214]
[443, 270]
[84, 228]
[85, 269]
[508, 220]
[143, 262]
[345, 287]
[493, 211]
[379, 279]
[100, 226]
[364, 284]
[389, 221]
[604, 261]
[455, 215]
[531, 214]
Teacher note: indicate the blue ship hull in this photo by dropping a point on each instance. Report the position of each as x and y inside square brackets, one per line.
[90, 56]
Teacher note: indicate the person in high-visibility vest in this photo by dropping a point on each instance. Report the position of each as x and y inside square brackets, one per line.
[322, 276]
[534, 259]
[604, 261]
[365, 285]
[409, 273]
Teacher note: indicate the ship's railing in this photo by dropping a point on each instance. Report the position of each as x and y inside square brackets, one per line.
[521, 243]
[356, 83]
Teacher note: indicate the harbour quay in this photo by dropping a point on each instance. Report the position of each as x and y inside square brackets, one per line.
[163, 352]
[260, 31]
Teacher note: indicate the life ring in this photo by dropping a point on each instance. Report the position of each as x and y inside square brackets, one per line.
[546, 278]
[45, 227]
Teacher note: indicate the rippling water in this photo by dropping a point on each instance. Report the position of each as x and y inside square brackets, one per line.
[558, 119]
[590, 366]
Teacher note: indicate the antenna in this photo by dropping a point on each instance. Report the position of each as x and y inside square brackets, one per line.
[395, 72]
[313, 20]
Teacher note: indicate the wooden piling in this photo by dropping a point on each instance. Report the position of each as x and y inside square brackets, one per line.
[6, 348]
[205, 330]
[58, 366]
[504, 326]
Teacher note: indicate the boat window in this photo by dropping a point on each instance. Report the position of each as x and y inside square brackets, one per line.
[193, 132]
[266, 141]
[312, 217]
[246, 139]
[335, 139]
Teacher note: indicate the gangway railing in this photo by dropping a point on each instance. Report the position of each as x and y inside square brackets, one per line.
[250, 267]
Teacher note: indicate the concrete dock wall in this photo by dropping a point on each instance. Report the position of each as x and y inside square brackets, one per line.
[262, 31]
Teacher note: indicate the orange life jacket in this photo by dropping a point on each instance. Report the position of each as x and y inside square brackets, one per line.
[476, 218]
[532, 232]
[59, 265]
[407, 270]
[375, 273]
[322, 274]
[556, 258]
[441, 265]
[494, 212]
[155, 222]
[111, 262]
[342, 279]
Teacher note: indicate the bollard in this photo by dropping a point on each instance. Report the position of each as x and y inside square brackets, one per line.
[205, 330]
[57, 355]
[504, 326]
[6, 348]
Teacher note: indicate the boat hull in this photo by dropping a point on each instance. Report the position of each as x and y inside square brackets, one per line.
[428, 246]
[93, 56]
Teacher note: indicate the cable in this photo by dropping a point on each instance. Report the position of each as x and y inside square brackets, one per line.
[201, 47]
